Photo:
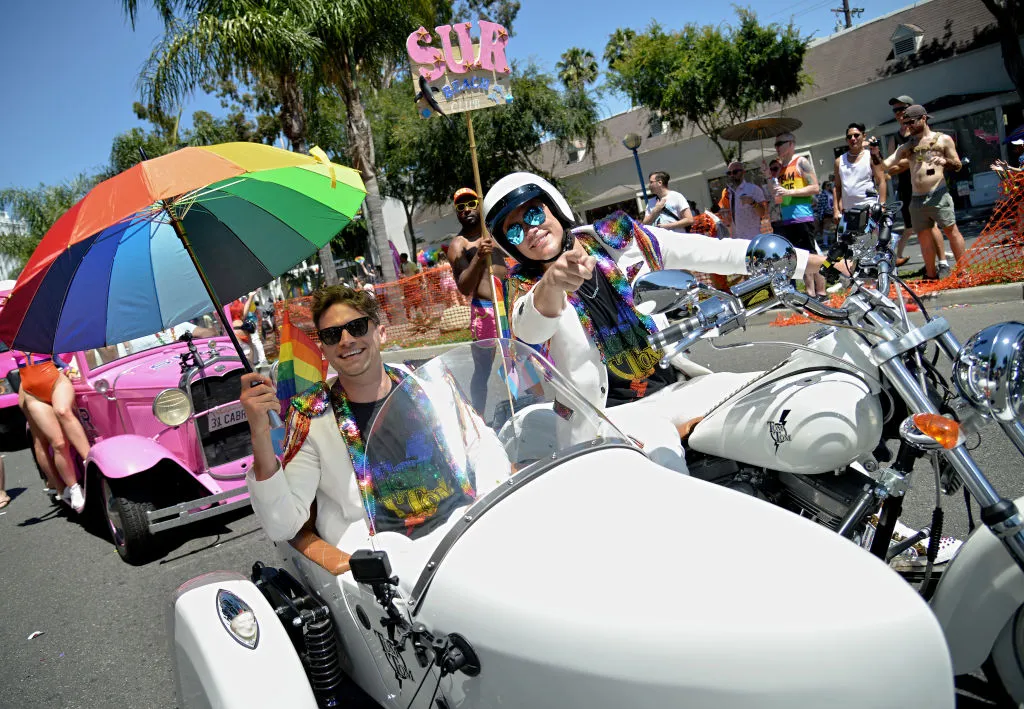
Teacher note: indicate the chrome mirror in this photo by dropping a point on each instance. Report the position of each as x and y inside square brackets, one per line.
[660, 291]
[989, 371]
[771, 254]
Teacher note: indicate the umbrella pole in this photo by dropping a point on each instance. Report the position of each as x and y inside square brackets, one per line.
[179, 229]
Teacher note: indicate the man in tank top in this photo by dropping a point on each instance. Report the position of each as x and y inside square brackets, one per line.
[856, 175]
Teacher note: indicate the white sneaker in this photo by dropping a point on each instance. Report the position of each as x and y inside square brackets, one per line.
[76, 498]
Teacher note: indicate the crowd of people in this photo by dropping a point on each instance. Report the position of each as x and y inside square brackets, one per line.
[793, 203]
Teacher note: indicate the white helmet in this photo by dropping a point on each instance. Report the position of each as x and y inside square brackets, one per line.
[509, 193]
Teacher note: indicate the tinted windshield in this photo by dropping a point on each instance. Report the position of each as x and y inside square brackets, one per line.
[461, 424]
[203, 326]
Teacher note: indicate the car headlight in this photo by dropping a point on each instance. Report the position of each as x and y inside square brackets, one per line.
[172, 407]
[989, 371]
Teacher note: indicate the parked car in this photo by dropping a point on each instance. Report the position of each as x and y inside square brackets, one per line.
[12, 420]
[170, 441]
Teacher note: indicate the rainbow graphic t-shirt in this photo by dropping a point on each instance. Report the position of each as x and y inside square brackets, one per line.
[795, 209]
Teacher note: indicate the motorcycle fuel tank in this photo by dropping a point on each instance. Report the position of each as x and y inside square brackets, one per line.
[812, 421]
[612, 582]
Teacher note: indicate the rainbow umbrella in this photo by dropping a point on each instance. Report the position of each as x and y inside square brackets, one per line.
[173, 238]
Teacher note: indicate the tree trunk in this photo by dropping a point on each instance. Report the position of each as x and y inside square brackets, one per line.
[360, 139]
[409, 212]
[293, 125]
[1009, 19]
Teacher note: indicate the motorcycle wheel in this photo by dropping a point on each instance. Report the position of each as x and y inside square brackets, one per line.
[1005, 666]
[126, 520]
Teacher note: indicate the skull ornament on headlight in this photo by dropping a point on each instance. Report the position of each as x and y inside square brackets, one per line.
[989, 371]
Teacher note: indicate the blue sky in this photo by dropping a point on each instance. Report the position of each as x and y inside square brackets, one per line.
[70, 66]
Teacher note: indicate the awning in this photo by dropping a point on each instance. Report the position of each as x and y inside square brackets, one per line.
[618, 193]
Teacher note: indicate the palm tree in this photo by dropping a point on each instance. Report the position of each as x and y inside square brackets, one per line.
[618, 45]
[35, 211]
[577, 68]
[293, 44]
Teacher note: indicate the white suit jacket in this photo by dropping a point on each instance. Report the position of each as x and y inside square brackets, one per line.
[572, 350]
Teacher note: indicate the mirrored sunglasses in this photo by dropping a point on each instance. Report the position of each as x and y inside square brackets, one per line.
[469, 205]
[534, 216]
[356, 328]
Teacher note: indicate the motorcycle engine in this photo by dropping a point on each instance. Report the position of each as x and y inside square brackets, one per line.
[822, 498]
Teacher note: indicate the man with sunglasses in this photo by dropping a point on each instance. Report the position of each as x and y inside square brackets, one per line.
[928, 154]
[325, 436]
[573, 298]
[743, 203]
[856, 173]
[471, 253]
[904, 190]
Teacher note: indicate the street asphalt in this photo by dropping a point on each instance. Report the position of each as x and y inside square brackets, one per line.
[104, 640]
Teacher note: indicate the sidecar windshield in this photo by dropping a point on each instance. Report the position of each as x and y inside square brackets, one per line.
[461, 424]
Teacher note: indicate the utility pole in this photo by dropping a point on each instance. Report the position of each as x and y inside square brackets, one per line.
[848, 13]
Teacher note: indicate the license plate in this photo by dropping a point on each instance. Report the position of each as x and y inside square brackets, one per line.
[228, 416]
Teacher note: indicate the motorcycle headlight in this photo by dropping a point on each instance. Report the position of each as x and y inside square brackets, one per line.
[172, 407]
[771, 254]
[989, 371]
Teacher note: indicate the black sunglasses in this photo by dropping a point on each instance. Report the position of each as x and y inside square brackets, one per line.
[356, 328]
[782, 142]
[897, 109]
[734, 172]
[853, 136]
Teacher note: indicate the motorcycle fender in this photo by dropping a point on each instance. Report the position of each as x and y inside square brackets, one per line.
[976, 596]
[127, 455]
[214, 669]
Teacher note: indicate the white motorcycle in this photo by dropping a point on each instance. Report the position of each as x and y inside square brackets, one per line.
[573, 572]
[812, 434]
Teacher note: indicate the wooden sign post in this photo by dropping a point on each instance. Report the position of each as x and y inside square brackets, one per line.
[461, 78]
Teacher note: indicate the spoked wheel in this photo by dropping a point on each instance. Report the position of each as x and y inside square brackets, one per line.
[1005, 666]
[126, 520]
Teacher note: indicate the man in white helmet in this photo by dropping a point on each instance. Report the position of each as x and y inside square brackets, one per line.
[578, 301]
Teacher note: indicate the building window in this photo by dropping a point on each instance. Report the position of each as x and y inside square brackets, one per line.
[976, 137]
[906, 40]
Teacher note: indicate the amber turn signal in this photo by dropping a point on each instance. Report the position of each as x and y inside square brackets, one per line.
[944, 431]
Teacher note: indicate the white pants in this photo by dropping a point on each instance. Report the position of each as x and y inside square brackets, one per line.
[652, 420]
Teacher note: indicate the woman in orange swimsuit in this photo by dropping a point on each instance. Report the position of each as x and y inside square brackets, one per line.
[49, 406]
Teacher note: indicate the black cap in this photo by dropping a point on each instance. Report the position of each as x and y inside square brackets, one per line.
[901, 99]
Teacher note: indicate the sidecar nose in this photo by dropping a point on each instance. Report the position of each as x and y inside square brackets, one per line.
[609, 581]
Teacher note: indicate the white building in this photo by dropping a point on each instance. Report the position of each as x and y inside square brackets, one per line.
[943, 53]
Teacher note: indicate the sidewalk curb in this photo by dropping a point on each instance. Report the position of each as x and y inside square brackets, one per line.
[978, 295]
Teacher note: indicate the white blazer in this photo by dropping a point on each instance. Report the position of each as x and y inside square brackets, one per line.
[572, 350]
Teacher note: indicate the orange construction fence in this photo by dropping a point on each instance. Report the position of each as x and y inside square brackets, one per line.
[424, 309]
[997, 256]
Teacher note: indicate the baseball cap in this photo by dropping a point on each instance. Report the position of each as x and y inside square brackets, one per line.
[734, 165]
[1017, 142]
[901, 99]
[464, 192]
[915, 111]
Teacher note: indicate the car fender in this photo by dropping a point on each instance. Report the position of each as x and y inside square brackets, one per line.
[127, 455]
[977, 594]
[213, 668]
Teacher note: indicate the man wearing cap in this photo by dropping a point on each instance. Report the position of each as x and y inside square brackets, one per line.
[929, 155]
[743, 203]
[904, 191]
[470, 253]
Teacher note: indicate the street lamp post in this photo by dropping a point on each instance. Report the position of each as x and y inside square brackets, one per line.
[632, 142]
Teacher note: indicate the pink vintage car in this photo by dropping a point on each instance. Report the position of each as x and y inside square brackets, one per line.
[170, 441]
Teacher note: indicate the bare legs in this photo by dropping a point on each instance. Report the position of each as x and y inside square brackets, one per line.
[64, 407]
[44, 420]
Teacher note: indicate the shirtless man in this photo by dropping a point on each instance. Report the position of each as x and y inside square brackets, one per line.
[929, 155]
[470, 252]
